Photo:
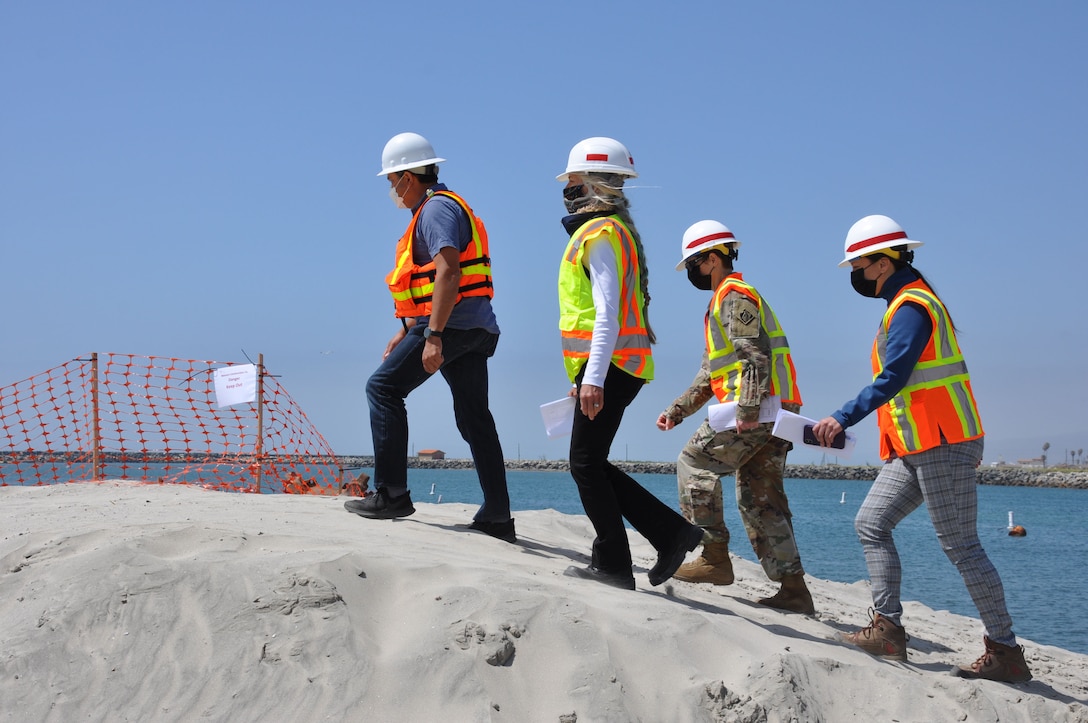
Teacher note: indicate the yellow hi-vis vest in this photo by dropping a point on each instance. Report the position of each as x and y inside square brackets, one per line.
[725, 365]
[576, 311]
[937, 399]
[412, 285]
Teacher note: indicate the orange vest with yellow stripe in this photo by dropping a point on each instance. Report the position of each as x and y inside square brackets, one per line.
[412, 285]
[725, 365]
[576, 309]
[937, 400]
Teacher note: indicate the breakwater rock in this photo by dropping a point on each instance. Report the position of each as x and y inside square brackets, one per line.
[1008, 476]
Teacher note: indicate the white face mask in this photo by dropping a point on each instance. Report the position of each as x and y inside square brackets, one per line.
[394, 196]
[396, 199]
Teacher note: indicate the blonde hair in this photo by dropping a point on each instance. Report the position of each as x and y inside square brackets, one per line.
[604, 192]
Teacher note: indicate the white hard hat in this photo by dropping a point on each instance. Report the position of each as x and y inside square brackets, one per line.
[872, 234]
[405, 151]
[704, 235]
[599, 155]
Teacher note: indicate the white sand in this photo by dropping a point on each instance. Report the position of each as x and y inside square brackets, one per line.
[122, 601]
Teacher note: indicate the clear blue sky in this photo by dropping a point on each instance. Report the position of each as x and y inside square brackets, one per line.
[195, 179]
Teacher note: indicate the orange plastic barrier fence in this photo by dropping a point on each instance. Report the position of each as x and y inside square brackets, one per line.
[122, 416]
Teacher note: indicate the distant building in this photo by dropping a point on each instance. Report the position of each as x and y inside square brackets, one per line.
[1034, 462]
[431, 454]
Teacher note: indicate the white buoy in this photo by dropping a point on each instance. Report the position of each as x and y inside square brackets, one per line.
[439, 498]
[432, 487]
[843, 500]
[1011, 525]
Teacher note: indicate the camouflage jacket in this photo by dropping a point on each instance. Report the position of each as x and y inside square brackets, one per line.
[753, 347]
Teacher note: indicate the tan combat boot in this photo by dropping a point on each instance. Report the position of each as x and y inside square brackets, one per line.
[793, 596]
[713, 566]
[1000, 662]
[881, 637]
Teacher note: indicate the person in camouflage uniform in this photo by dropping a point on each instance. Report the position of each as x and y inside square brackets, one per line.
[746, 361]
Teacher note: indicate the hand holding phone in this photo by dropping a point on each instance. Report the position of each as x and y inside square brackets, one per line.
[809, 437]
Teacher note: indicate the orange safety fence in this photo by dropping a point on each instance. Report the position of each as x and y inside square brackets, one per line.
[157, 419]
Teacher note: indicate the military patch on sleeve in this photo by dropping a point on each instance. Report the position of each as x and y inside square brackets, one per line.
[744, 321]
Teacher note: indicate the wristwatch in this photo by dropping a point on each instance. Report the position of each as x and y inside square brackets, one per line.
[429, 332]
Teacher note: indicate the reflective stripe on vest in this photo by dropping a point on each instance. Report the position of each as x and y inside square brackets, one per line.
[937, 399]
[577, 312]
[725, 365]
[412, 285]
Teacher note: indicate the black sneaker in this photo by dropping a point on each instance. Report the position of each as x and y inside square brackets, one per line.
[670, 558]
[502, 530]
[622, 580]
[380, 506]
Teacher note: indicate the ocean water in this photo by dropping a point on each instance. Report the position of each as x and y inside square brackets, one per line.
[1045, 586]
[1043, 573]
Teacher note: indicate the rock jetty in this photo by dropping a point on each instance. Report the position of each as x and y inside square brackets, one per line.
[1005, 475]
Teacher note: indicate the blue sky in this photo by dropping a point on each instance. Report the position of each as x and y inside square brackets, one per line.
[194, 179]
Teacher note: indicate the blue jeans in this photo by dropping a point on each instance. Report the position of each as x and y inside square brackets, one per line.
[465, 353]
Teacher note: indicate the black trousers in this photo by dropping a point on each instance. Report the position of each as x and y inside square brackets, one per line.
[608, 494]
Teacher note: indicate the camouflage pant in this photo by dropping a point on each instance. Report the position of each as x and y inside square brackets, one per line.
[757, 459]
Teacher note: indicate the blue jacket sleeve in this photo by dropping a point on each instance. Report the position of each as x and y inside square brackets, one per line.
[908, 335]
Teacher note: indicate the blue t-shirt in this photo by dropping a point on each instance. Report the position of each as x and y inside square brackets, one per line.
[444, 224]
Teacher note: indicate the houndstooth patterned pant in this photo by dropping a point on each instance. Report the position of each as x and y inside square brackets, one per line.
[943, 478]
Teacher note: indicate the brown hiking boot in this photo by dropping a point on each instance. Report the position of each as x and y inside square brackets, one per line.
[882, 638]
[792, 597]
[1003, 663]
[713, 566]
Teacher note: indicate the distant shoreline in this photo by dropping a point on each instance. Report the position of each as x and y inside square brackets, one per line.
[1003, 476]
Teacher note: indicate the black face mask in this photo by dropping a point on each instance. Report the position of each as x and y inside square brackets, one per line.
[862, 285]
[699, 281]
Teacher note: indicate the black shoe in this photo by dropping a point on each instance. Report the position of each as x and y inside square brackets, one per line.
[622, 580]
[501, 530]
[671, 558]
[380, 506]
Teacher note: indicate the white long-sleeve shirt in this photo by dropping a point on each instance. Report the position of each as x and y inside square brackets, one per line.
[606, 305]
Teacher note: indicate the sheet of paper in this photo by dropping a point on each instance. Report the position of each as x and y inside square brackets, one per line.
[558, 416]
[235, 384]
[792, 427]
[724, 416]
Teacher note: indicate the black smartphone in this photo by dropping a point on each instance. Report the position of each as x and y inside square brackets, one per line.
[839, 442]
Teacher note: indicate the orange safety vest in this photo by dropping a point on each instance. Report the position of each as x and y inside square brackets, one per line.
[577, 312]
[937, 400]
[725, 365]
[412, 285]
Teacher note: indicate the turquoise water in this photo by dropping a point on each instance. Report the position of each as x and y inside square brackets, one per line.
[1042, 572]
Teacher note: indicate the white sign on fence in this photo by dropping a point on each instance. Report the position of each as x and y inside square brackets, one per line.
[236, 384]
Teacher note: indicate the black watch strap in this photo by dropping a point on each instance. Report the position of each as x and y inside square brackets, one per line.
[429, 332]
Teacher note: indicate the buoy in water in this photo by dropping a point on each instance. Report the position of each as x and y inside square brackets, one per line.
[842, 500]
[432, 487]
[1017, 531]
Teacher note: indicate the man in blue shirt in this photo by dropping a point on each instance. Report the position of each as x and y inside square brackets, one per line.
[442, 293]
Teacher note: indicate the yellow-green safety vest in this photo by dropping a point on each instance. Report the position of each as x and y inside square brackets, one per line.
[577, 313]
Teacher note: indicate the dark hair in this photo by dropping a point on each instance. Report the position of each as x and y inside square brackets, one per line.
[906, 257]
[428, 175]
[727, 258]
